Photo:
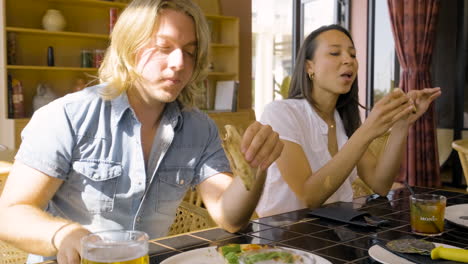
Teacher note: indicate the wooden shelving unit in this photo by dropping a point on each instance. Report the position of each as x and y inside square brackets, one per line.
[23, 19]
[47, 68]
[55, 33]
[92, 3]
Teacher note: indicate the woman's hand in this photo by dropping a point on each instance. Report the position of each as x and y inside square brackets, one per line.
[261, 145]
[393, 107]
[422, 99]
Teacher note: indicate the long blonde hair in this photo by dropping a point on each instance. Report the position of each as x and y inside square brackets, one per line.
[133, 31]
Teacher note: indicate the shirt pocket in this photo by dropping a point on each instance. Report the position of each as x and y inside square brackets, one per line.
[172, 186]
[98, 180]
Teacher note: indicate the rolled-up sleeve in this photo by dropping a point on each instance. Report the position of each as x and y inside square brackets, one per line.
[47, 141]
[213, 159]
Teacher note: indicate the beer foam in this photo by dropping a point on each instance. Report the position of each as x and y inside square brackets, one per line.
[115, 252]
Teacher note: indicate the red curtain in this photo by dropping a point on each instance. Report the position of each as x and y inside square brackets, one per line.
[413, 24]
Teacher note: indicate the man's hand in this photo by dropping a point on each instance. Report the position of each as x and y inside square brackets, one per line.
[67, 240]
[261, 145]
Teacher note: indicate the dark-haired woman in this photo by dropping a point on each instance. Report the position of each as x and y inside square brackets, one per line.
[325, 145]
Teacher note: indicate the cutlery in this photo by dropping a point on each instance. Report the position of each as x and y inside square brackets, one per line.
[423, 247]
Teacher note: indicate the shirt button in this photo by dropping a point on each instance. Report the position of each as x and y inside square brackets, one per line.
[138, 219]
[139, 183]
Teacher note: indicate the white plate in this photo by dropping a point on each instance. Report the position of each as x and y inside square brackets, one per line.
[386, 257]
[453, 213]
[209, 255]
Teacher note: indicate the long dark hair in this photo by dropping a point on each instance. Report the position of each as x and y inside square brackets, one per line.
[301, 85]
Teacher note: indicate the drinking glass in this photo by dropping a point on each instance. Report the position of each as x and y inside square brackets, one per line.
[427, 214]
[115, 247]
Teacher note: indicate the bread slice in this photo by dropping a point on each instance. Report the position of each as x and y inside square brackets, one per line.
[240, 167]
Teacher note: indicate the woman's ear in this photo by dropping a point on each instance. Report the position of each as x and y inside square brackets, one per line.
[309, 66]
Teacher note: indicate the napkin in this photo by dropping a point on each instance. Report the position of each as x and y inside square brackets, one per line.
[349, 216]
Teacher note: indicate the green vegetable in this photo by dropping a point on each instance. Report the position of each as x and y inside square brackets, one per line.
[230, 253]
[284, 256]
[232, 258]
[235, 248]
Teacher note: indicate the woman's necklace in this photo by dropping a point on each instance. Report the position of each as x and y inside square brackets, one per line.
[330, 122]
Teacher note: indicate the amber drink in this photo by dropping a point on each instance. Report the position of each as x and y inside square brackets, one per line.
[115, 247]
[427, 214]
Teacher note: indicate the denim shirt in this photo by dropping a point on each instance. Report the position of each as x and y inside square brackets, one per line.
[94, 146]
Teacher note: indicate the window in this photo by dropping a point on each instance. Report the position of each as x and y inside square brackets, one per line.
[383, 66]
[271, 25]
[317, 13]
[279, 27]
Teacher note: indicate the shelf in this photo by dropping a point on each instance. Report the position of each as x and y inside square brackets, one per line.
[56, 33]
[96, 3]
[47, 68]
[55, 68]
[221, 74]
[85, 35]
[23, 120]
[219, 45]
[220, 17]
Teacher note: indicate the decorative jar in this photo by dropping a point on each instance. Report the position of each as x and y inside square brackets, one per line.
[53, 20]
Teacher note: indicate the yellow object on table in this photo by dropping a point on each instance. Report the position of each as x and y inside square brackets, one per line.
[455, 254]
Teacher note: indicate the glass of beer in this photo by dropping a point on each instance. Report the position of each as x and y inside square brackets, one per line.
[427, 214]
[115, 247]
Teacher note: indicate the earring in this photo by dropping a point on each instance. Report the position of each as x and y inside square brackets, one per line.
[311, 75]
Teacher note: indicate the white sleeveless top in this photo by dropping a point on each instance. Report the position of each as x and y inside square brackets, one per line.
[295, 120]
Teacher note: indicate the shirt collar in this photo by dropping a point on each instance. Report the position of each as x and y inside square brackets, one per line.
[119, 106]
[172, 112]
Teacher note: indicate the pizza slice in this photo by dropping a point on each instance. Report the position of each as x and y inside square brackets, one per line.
[240, 167]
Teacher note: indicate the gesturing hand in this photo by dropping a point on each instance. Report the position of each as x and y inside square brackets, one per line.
[261, 145]
[391, 108]
[422, 99]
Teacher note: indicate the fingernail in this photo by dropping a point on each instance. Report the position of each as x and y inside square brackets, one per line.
[248, 156]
